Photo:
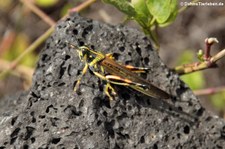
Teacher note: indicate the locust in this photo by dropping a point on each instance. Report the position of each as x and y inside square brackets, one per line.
[106, 68]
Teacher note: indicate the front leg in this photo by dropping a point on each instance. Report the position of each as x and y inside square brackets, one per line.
[80, 77]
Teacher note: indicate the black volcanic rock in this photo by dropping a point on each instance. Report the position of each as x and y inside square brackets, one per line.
[52, 115]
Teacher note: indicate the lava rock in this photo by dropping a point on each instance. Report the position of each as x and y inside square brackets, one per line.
[52, 115]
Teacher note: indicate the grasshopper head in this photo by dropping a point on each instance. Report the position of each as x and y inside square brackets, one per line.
[85, 53]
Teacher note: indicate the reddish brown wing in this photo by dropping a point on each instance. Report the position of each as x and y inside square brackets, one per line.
[114, 68]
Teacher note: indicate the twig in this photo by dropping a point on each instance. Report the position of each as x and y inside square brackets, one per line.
[218, 56]
[207, 61]
[37, 11]
[197, 66]
[208, 44]
[209, 91]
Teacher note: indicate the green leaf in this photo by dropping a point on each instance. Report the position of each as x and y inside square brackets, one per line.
[162, 10]
[171, 19]
[140, 7]
[200, 55]
[142, 14]
[123, 5]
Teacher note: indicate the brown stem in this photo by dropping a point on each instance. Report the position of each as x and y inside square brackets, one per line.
[208, 63]
[207, 50]
[209, 42]
[209, 91]
[218, 56]
[189, 68]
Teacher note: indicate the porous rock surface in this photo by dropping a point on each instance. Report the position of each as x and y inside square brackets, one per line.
[52, 115]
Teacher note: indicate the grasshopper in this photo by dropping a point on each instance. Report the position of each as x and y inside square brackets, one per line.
[106, 68]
